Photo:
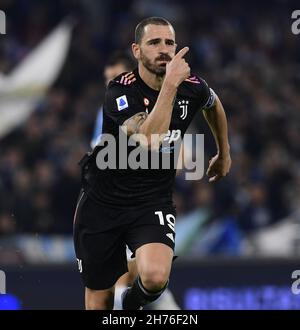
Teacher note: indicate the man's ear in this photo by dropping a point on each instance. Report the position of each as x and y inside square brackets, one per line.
[135, 50]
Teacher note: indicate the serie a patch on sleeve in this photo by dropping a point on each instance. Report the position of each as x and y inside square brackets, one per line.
[122, 102]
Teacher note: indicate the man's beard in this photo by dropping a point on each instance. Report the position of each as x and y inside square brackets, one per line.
[158, 70]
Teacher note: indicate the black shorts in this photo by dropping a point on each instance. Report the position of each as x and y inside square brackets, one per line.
[102, 233]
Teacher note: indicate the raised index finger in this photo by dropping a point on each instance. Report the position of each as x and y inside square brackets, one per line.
[182, 52]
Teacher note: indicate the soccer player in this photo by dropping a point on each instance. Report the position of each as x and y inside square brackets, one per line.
[134, 207]
[119, 63]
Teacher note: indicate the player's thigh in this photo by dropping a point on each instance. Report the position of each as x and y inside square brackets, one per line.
[154, 260]
[132, 270]
[153, 225]
[128, 278]
[99, 299]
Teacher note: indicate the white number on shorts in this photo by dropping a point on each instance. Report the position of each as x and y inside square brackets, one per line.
[169, 217]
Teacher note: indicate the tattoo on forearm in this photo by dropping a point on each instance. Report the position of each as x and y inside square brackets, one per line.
[133, 123]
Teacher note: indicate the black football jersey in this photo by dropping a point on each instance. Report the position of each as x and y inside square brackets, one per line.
[125, 96]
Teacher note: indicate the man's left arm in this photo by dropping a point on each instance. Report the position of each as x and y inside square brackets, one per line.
[215, 116]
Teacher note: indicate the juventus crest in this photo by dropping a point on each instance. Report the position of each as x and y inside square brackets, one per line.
[183, 106]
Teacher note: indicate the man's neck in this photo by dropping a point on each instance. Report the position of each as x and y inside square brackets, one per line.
[149, 78]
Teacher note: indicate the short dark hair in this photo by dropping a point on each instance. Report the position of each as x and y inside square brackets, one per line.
[140, 28]
[121, 57]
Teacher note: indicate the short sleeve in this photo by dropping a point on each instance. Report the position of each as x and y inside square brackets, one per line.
[205, 96]
[120, 103]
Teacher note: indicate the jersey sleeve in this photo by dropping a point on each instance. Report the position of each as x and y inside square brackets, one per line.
[205, 96]
[120, 103]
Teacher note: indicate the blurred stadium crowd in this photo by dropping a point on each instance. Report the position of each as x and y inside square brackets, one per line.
[247, 54]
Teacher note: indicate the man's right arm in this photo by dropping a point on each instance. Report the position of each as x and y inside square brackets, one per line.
[158, 121]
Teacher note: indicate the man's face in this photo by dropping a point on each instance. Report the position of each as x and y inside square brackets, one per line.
[157, 48]
[112, 71]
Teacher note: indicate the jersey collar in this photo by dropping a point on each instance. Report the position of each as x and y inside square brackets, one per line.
[145, 87]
